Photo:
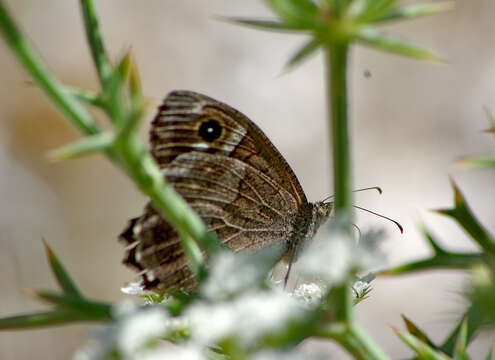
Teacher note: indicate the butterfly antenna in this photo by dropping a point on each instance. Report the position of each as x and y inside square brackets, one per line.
[382, 216]
[377, 188]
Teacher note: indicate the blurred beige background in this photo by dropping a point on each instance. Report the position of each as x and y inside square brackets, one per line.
[410, 121]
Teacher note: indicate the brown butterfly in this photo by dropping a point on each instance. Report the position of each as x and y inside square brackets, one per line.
[232, 176]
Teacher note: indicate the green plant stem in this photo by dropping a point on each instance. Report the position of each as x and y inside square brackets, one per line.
[103, 67]
[336, 63]
[354, 339]
[134, 157]
[62, 98]
[128, 152]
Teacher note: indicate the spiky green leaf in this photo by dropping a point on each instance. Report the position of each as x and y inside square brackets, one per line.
[463, 215]
[450, 260]
[423, 350]
[375, 8]
[302, 14]
[262, 24]
[62, 276]
[432, 240]
[302, 54]
[40, 319]
[85, 96]
[378, 40]
[414, 11]
[441, 259]
[85, 146]
[417, 332]
[79, 305]
[487, 160]
[461, 343]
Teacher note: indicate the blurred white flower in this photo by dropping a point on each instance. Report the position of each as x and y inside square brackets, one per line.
[133, 288]
[183, 352]
[361, 289]
[248, 317]
[309, 294]
[137, 330]
[232, 273]
[334, 259]
[131, 335]
[124, 308]
[330, 260]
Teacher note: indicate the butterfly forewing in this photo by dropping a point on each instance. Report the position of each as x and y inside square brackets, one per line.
[230, 174]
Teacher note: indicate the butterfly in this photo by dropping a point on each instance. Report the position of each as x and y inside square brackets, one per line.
[230, 173]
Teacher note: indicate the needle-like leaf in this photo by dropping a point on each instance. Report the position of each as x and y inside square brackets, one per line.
[40, 319]
[262, 24]
[62, 276]
[85, 146]
[414, 11]
[417, 332]
[461, 343]
[376, 39]
[463, 215]
[303, 53]
[423, 350]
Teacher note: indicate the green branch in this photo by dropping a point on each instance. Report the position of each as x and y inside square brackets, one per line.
[58, 94]
[336, 55]
[121, 99]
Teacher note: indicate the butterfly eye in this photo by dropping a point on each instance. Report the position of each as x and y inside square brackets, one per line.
[210, 130]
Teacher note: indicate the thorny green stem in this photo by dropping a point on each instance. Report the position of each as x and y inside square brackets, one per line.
[128, 153]
[336, 64]
[62, 98]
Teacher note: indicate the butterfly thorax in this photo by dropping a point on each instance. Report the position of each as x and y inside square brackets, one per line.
[314, 214]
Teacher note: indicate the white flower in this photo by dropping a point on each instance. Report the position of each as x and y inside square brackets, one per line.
[183, 352]
[309, 294]
[233, 273]
[334, 259]
[139, 329]
[131, 335]
[360, 289]
[133, 288]
[329, 260]
[248, 317]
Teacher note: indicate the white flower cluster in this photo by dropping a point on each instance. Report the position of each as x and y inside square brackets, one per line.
[234, 304]
[247, 317]
[309, 294]
[132, 335]
[337, 257]
[231, 274]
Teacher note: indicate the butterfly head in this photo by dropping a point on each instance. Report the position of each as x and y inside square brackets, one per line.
[321, 212]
